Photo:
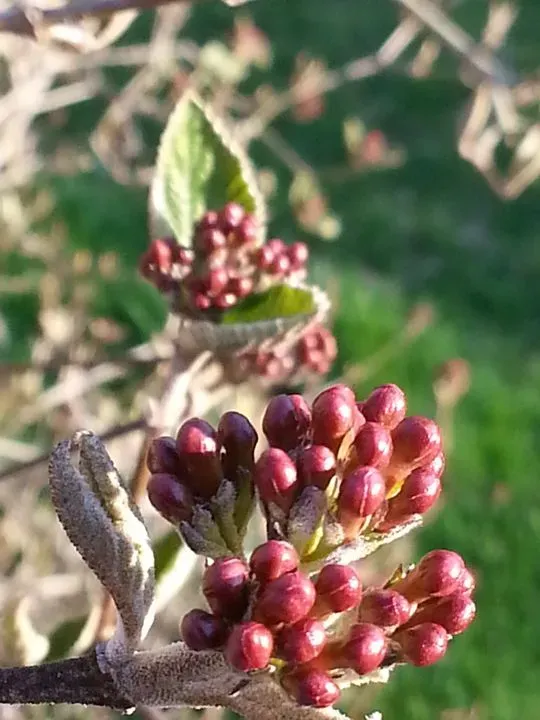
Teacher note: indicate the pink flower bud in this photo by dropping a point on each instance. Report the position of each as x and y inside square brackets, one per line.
[422, 645]
[249, 647]
[385, 608]
[386, 405]
[276, 478]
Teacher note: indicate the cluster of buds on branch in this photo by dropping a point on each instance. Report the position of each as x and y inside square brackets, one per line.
[337, 475]
[227, 265]
[289, 623]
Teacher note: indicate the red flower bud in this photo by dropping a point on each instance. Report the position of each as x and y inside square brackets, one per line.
[287, 421]
[170, 497]
[276, 478]
[334, 412]
[160, 254]
[302, 642]
[238, 437]
[298, 254]
[361, 494]
[225, 587]
[385, 608]
[249, 647]
[417, 441]
[466, 583]
[437, 574]
[422, 645]
[287, 599]
[197, 449]
[273, 559]
[316, 466]
[365, 648]
[310, 687]
[373, 445]
[162, 456]
[454, 613]
[231, 217]
[386, 405]
[338, 589]
[418, 494]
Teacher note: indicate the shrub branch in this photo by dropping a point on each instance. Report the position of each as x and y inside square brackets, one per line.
[77, 681]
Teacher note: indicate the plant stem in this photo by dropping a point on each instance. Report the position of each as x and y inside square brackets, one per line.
[78, 680]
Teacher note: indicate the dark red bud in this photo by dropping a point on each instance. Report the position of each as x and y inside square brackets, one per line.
[241, 287]
[210, 240]
[201, 630]
[298, 254]
[287, 421]
[237, 436]
[246, 232]
[264, 258]
[160, 254]
[419, 493]
[225, 587]
[466, 583]
[170, 497]
[230, 217]
[454, 613]
[437, 465]
[196, 445]
[162, 456]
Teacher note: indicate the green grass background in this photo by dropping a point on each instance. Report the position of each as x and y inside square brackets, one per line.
[430, 230]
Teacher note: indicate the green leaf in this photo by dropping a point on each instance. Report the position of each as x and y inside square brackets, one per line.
[278, 302]
[165, 551]
[64, 637]
[199, 167]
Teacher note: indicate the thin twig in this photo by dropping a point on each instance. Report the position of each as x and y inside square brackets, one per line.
[115, 432]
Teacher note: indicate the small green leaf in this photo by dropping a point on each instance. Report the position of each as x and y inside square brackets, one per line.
[166, 550]
[199, 167]
[278, 302]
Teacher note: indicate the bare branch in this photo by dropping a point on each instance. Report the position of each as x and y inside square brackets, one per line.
[114, 432]
[16, 19]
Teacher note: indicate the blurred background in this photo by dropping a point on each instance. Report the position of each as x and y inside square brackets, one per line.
[434, 275]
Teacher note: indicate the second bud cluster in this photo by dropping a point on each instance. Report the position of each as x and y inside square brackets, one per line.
[269, 612]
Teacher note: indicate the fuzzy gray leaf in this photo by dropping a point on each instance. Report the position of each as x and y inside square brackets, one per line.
[107, 529]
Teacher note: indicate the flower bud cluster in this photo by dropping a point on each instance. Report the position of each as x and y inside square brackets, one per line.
[313, 353]
[270, 612]
[225, 265]
[378, 467]
[187, 472]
